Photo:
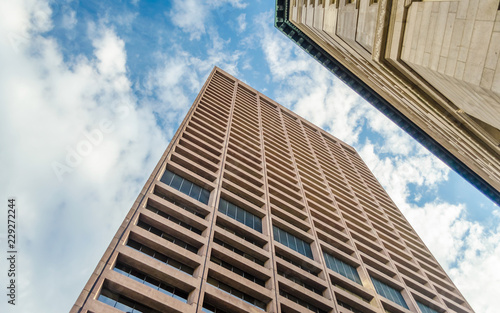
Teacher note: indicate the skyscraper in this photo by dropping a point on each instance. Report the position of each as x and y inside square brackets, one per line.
[253, 209]
[431, 66]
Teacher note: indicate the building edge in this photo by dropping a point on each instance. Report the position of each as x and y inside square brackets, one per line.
[283, 24]
[97, 273]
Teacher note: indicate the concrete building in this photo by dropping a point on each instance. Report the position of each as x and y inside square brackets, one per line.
[429, 65]
[253, 209]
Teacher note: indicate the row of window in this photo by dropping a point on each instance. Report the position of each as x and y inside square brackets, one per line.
[388, 292]
[185, 186]
[292, 242]
[297, 264]
[208, 308]
[238, 251]
[341, 267]
[160, 257]
[168, 237]
[189, 209]
[239, 234]
[173, 219]
[299, 282]
[300, 302]
[238, 271]
[241, 215]
[235, 292]
[123, 303]
[151, 282]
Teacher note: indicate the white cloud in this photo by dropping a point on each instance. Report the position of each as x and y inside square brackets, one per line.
[69, 19]
[180, 73]
[239, 4]
[466, 250]
[110, 54]
[53, 107]
[192, 15]
[477, 273]
[242, 24]
[398, 172]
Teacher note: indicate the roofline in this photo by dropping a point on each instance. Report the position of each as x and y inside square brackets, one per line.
[282, 23]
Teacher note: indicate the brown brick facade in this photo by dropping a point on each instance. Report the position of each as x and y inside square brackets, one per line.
[294, 222]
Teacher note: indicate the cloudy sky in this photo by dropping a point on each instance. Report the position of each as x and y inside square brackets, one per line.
[129, 70]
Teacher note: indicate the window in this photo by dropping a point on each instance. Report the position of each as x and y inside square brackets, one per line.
[347, 306]
[208, 308]
[238, 251]
[238, 294]
[294, 263]
[123, 303]
[239, 234]
[300, 302]
[185, 186]
[292, 242]
[236, 270]
[241, 215]
[425, 309]
[160, 257]
[151, 282]
[342, 268]
[190, 209]
[389, 293]
[173, 219]
[166, 236]
[299, 282]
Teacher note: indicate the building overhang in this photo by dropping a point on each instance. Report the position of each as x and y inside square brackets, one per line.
[289, 29]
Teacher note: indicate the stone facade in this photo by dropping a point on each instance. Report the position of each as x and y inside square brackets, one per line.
[435, 62]
[253, 209]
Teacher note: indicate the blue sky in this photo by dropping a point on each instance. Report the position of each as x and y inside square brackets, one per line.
[130, 70]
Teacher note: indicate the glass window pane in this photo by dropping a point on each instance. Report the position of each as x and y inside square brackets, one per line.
[126, 306]
[344, 269]
[283, 237]
[308, 250]
[257, 224]
[176, 182]
[204, 196]
[167, 177]
[185, 187]
[293, 243]
[107, 300]
[249, 219]
[195, 191]
[388, 292]
[276, 235]
[223, 206]
[240, 215]
[301, 249]
[231, 210]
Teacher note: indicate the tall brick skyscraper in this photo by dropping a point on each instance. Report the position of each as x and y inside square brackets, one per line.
[253, 209]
